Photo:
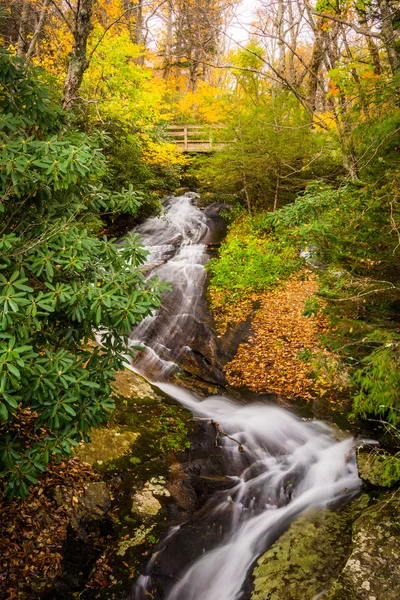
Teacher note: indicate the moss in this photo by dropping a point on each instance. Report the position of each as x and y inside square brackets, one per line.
[372, 570]
[308, 557]
[378, 467]
[106, 445]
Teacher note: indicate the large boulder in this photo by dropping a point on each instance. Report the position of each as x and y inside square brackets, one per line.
[307, 558]
[372, 571]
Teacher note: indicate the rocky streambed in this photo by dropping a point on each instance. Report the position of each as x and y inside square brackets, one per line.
[151, 483]
[171, 488]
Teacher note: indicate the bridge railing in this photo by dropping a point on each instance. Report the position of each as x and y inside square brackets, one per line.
[196, 138]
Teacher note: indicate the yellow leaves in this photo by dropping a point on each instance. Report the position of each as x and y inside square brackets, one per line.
[326, 118]
[208, 104]
[165, 155]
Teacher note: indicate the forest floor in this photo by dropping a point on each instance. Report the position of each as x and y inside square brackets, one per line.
[33, 531]
[285, 353]
[91, 520]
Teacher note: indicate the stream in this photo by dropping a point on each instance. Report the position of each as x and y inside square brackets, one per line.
[273, 465]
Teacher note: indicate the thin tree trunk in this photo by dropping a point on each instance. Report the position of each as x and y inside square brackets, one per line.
[315, 65]
[244, 177]
[390, 37]
[281, 36]
[374, 52]
[78, 60]
[168, 42]
[22, 29]
[38, 30]
[277, 189]
[293, 43]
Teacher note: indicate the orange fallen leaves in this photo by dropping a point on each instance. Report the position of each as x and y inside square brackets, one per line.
[269, 360]
[32, 531]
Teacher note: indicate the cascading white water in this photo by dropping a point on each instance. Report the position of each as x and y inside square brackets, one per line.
[176, 242]
[288, 467]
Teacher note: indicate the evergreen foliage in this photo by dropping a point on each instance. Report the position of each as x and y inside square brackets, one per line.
[59, 284]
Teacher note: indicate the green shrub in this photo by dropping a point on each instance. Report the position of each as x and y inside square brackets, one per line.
[59, 284]
[251, 261]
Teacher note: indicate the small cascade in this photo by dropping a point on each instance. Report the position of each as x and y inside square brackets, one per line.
[180, 334]
[288, 467]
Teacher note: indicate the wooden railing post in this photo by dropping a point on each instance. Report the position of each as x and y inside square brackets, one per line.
[211, 137]
[185, 137]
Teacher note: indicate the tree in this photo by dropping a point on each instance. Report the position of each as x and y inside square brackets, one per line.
[78, 60]
[59, 282]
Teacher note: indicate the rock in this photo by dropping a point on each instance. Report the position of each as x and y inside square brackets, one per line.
[145, 502]
[304, 561]
[96, 498]
[106, 445]
[308, 557]
[87, 507]
[378, 467]
[181, 191]
[372, 571]
[133, 387]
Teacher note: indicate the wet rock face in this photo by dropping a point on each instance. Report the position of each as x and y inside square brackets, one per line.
[372, 572]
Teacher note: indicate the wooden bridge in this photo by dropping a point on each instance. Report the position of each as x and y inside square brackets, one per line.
[197, 138]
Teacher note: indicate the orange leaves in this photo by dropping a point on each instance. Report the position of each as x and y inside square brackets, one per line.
[231, 313]
[32, 532]
[271, 360]
[333, 89]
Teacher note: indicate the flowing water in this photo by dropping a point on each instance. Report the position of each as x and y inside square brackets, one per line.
[181, 333]
[276, 465]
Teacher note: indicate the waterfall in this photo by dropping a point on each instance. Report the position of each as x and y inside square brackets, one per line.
[181, 333]
[279, 466]
[288, 467]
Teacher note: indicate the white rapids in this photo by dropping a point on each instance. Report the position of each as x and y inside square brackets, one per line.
[177, 247]
[288, 467]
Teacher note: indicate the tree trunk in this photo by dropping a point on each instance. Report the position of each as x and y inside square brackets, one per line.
[390, 37]
[38, 30]
[168, 42]
[277, 190]
[374, 52]
[281, 36]
[22, 29]
[78, 60]
[315, 65]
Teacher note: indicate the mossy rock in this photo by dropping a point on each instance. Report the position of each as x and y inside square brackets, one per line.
[372, 571]
[308, 557]
[106, 445]
[378, 467]
[134, 388]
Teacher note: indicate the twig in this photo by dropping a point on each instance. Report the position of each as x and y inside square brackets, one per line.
[220, 432]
